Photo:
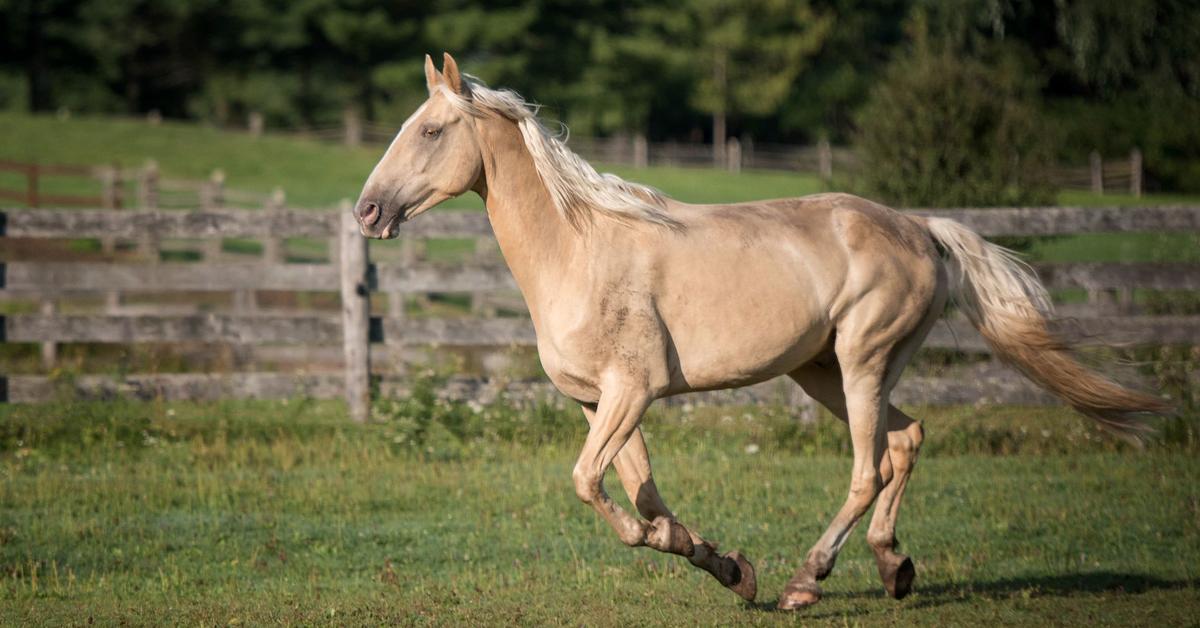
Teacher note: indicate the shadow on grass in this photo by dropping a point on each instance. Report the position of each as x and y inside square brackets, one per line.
[941, 594]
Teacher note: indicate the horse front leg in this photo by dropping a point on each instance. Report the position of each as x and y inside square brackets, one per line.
[731, 569]
[615, 419]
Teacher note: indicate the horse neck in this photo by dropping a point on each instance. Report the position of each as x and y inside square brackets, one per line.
[535, 239]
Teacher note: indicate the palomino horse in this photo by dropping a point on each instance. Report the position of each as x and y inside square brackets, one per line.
[635, 296]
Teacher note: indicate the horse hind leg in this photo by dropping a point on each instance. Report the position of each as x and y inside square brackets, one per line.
[904, 438]
[904, 442]
[864, 404]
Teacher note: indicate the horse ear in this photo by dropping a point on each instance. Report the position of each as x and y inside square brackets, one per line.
[432, 77]
[453, 76]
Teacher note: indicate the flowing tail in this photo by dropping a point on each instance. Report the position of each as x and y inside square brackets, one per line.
[1004, 300]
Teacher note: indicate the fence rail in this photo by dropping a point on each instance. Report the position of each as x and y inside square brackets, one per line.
[317, 334]
[55, 277]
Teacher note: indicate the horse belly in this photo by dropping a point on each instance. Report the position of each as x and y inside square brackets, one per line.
[740, 356]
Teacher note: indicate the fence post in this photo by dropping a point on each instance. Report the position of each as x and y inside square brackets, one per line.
[355, 314]
[733, 154]
[49, 349]
[273, 246]
[825, 160]
[214, 198]
[1135, 172]
[110, 198]
[148, 186]
[641, 151]
[1097, 168]
[254, 123]
[108, 183]
[352, 125]
[147, 245]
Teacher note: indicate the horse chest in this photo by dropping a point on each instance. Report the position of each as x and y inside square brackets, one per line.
[581, 353]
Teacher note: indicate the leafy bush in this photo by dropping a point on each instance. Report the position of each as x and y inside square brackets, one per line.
[943, 129]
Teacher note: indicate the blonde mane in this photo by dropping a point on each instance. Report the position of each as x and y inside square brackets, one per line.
[575, 187]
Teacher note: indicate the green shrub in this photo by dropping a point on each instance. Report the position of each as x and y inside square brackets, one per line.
[946, 130]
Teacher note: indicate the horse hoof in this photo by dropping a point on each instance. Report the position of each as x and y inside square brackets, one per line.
[668, 535]
[897, 573]
[745, 581]
[795, 598]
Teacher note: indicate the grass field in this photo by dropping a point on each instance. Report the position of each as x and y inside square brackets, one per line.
[317, 174]
[314, 174]
[283, 513]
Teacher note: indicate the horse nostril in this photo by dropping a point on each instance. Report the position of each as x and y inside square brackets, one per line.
[369, 214]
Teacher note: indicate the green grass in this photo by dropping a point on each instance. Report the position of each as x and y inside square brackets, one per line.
[284, 513]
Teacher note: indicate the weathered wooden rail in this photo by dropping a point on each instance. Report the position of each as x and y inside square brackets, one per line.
[349, 273]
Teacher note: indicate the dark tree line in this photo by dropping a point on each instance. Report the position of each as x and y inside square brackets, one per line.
[1099, 74]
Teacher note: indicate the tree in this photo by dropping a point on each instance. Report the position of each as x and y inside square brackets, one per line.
[741, 57]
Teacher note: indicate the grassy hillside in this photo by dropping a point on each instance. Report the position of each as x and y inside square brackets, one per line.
[314, 174]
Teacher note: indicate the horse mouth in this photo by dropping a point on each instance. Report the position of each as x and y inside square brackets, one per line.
[392, 230]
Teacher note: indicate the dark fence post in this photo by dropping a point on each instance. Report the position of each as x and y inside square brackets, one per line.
[1135, 173]
[355, 314]
[1097, 169]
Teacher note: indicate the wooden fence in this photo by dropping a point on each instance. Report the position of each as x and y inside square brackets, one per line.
[119, 187]
[1109, 317]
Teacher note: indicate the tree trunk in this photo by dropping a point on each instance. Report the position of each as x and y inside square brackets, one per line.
[720, 87]
[718, 139]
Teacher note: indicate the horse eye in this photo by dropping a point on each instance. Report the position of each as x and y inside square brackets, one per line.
[431, 132]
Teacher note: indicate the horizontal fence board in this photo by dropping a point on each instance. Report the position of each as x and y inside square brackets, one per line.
[318, 329]
[1108, 276]
[225, 223]
[1034, 221]
[51, 277]
[958, 334]
[310, 329]
[197, 328]
[79, 277]
[249, 223]
[176, 387]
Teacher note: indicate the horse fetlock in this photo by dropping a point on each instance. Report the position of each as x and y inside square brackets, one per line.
[817, 566]
[881, 541]
[668, 535]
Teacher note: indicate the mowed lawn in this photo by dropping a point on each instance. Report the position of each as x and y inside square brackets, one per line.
[282, 513]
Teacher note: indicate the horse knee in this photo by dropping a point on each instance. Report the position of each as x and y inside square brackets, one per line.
[587, 486]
